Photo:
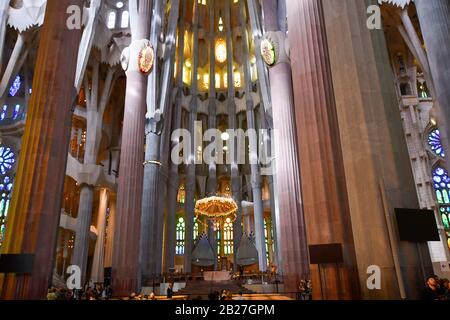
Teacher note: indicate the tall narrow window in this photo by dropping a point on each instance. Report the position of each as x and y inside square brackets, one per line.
[441, 183]
[6, 186]
[180, 234]
[125, 19]
[111, 20]
[7, 159]
[218, 238]
[3, 114]
[15, 87]
[435, 144]
[445, 215]
[16, 111]
[181, 194]
[228, 237]
[196, 229]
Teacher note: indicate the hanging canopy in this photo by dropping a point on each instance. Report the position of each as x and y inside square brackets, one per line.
[216, 208]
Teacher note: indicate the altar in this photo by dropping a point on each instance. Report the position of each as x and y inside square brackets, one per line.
[216, 275]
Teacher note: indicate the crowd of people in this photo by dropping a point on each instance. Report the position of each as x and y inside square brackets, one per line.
[437, 289]
[96, 292]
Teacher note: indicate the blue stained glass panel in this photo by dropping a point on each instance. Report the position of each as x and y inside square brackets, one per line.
[15, 87]
[434, 141]
[7, 159]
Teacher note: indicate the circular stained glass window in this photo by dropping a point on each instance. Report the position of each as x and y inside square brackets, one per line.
[7, 159]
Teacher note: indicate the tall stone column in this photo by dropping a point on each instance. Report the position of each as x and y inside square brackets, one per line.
[293, 256]
[191, 175]
[174, 181]
[81, 247]
[38, 192]
[97, 274]
[256, 183]
[152, 165]
[110, 230]
[125, 265]
[4, 10]
[378, 174]
[236, 187]
[324, 192]
[434, 19]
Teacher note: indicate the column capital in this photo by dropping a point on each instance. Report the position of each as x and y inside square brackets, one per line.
[154, 123]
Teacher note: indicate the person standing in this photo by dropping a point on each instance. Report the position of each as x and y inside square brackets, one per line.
[432, 290]
[170, 291]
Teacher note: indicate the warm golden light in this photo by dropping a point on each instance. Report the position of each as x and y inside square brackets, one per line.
[217, 80]
[221, 51]
[237, 79]
[220, 24]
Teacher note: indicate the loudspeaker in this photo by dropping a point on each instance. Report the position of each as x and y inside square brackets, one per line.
[107, 272]
[107, 275]
[416, 225]
[16, 263]
[326, 253]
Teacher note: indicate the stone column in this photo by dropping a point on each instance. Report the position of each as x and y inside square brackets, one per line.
[434, 19]
[378, 174]
[324, 192]
[38, 192]
[294, 259]
[174, 181]
[125, 272]
[152, 165]
[191, 179]
[247, 221]
[211, 182]
[97, 273]
[82, 236]
[253, 151]
[4, 10]
[110, 230]
[236, 186]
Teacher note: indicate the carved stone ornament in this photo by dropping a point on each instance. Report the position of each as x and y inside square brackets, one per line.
[125, 58]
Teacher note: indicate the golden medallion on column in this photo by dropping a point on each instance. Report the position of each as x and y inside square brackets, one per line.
[146, 59]
[268, 52]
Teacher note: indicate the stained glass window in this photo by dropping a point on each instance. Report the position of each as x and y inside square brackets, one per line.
[434, 141]
[15, 87]
[3, 114]
[111, 20]
[228, 236]
[445, 215]
[181, 197]
[196, 229]
[441, 183]
[180, 234]
[125, 19]
[6, 186]
[221, 51]
[16, 111]
[218, 237]
[7, 159]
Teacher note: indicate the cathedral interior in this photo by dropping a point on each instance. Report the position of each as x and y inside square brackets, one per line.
[350, 122]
